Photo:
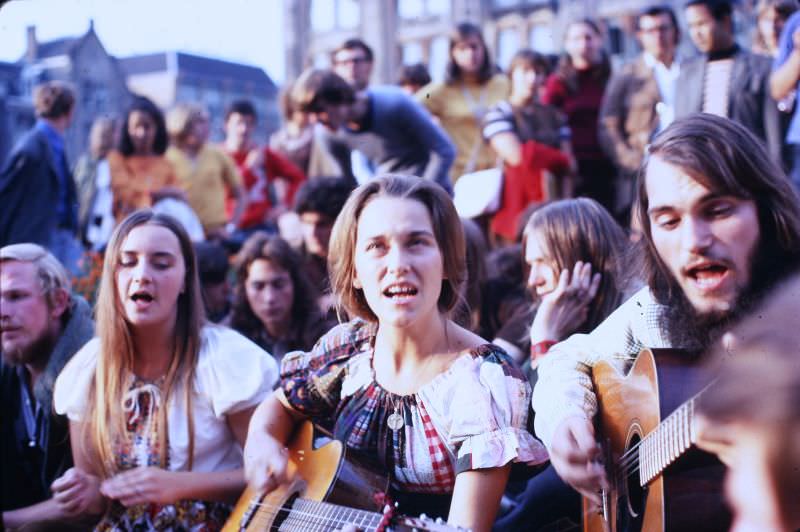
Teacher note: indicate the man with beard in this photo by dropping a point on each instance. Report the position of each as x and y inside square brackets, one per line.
[41, 327]
[720, 225]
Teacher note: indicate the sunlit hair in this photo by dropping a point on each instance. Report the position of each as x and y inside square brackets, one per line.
[530, 59]
[316, 88]
[783, 10]
[726, 158]
[181, 118]
[462, 32]
[304, 311]
[580, 229]
[51, 274]
[53, 99]
[566, 70]
[146, 106]
[765, 352]
[447, 230]
[105, 415]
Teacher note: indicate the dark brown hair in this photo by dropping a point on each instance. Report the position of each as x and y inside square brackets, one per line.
[316, 88]
[529, 58]
[304, 313]
[53, 99]
[724, 156]
[566, 70]
[447, 230]
[462, 32]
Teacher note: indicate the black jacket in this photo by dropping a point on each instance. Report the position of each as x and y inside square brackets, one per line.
[29, 189]
[25, 473]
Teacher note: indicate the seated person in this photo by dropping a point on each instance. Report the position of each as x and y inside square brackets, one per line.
[274, 303]
[213, 268]
[41, 327]
[158, 407]
[441, 409]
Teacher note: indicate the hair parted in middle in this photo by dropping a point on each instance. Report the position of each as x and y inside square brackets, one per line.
[725, 157]
[105, 416]
[580, 229]
[447, 230]
[144, 105]
[463, 31]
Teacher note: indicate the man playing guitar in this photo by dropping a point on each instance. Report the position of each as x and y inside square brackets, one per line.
[721, 225]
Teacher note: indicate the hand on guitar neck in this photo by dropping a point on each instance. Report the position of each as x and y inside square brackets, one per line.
[577, 457]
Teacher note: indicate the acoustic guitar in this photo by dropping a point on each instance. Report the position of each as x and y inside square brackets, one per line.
[658, 480]
[327, 492]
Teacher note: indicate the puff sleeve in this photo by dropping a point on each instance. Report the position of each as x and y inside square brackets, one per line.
[488, 413]
[71, 391]
[233, 372]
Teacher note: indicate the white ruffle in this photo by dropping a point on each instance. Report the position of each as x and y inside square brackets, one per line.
[499, 447]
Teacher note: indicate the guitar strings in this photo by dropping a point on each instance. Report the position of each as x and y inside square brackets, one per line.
[311, 515]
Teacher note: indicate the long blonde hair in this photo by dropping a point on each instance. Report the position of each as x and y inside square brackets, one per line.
[105, 416]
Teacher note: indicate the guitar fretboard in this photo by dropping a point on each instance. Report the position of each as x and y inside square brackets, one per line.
[306, 515]
[667, 442]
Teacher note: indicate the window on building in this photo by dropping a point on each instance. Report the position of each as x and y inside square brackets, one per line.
[437, 62]
[412, 53]
[327, 15]
[507, 45]
[411, 9]
[348, 13]
[542, 40]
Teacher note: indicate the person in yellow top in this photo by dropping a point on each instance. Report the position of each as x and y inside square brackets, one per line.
[472, 85]
[140, 174]
[204, 171]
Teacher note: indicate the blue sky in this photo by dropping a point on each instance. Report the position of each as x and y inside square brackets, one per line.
[247, 31]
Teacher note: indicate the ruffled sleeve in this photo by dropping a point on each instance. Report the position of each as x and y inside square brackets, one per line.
[488, 413]
[233, 373]
[311, 382]
[71, 391]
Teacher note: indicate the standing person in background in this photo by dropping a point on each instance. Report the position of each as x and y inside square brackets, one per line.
[159, 402]
[783, 86]
[727, 80]
[576, 88]
[93, 185]
[532, 139]
[37, 192]
[270, 181]
[471, 86]
[771, 17]
[274, 303]
[640, 100]
[352, 61]
[205, 172]
[140, 174]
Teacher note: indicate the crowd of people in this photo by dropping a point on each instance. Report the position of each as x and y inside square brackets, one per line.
[428, 272]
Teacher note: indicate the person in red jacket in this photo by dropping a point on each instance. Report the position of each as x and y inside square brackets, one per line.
[270, 180]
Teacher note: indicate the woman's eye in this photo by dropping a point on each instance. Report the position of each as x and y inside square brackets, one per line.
[667, 223]
[375, 246]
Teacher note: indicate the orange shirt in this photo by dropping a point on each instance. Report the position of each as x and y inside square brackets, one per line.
[135, 178]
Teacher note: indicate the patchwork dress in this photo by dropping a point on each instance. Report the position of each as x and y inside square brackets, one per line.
[471, 416]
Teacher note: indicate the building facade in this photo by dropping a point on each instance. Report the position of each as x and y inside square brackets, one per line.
[404, 32]
[16, 110]
[171, 77]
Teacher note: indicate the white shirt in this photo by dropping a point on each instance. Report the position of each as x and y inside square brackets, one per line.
[232, 374]
[666, 79]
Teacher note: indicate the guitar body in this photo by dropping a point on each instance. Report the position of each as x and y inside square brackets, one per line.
[687, 496]
[319, 475]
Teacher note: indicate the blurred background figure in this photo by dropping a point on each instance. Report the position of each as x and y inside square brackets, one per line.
[771, 16]
[352, 61]
[472, 84]
[93, 185]
[213, 267]
[576, 88]
[205, 172]
[413, 77]
[274, 303]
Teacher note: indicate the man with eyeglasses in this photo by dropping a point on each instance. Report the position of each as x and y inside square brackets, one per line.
[352, 61]
[640, 99]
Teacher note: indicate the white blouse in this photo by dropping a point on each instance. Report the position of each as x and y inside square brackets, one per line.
[232, 374]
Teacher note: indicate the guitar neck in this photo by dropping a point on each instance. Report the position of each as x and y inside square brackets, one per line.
[673, 437]
[314, 515]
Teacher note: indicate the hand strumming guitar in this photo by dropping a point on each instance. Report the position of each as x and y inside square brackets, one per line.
[576, 457]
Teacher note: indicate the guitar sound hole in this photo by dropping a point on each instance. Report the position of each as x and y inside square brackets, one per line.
[630, 507]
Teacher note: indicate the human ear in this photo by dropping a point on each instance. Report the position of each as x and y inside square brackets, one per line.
[59, 302]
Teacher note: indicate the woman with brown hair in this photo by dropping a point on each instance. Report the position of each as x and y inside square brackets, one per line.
[159, 403]
[576, 88]
[471, 86]
[274, 302]
[442, 410]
